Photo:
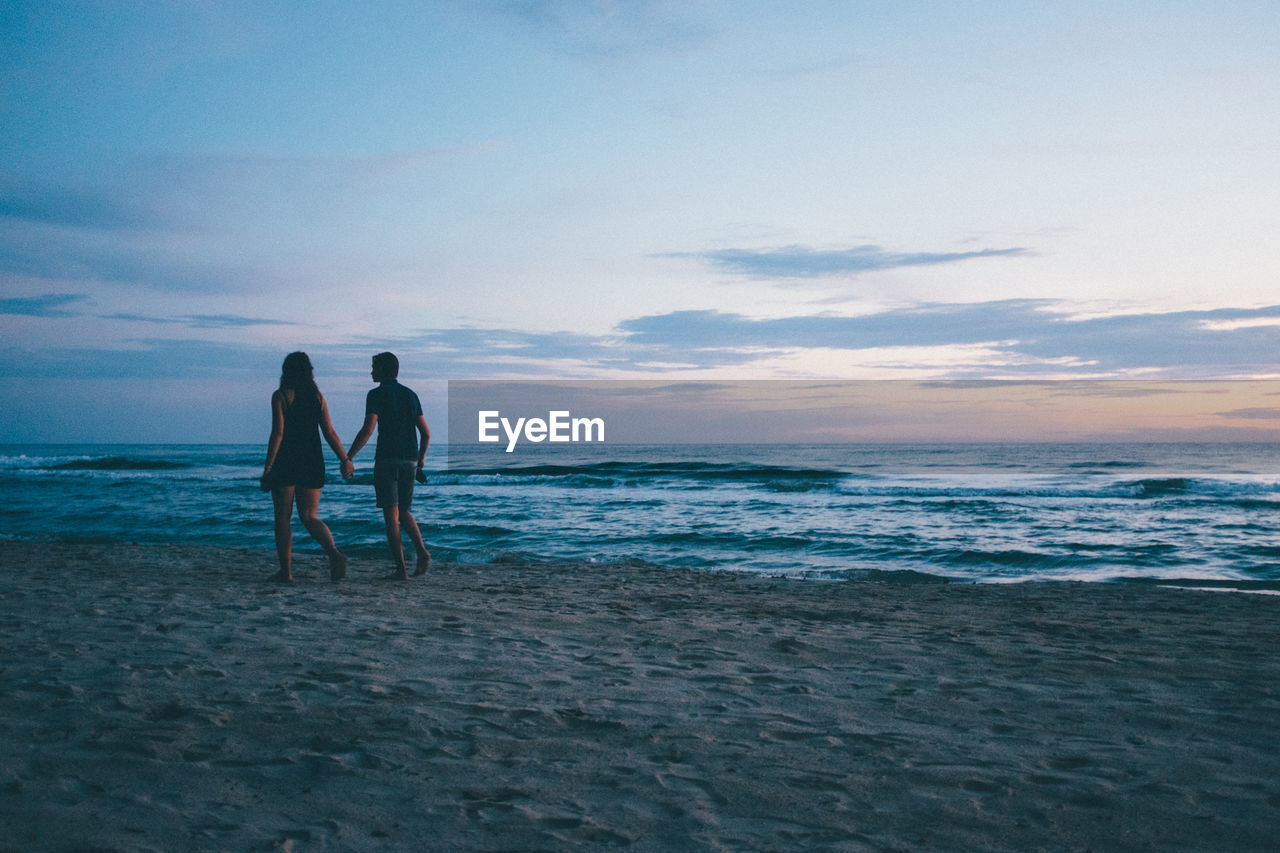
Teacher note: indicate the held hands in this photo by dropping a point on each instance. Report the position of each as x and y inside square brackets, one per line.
[348, 469]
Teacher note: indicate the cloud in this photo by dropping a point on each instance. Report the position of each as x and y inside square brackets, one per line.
[1252, 414]
[214, 223]
[805, 262]
[1012, 339]
[201, 321]
[48, 305]
[480, 352]
[608, 28]
[1177, 343]
[1021, 338]
[1233, 325]
[224, 321]
[1118, 389]
[141, 223]
[75, 206]
[930, 324]
[146, 359]
[442, 353]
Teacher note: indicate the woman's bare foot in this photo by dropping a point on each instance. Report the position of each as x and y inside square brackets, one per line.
[424, 564]
[400, 574]
[337, 566]
[282, 576]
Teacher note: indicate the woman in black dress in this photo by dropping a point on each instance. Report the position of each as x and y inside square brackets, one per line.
[294, 472]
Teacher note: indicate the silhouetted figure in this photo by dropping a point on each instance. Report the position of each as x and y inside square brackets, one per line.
[398, 459]
[294, 470]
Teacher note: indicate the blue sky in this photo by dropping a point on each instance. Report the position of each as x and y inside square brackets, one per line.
[622, 190]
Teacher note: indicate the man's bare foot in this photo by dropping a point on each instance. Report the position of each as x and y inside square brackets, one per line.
[337, 566]
[400, 574]
[282, 576]
[424, 564]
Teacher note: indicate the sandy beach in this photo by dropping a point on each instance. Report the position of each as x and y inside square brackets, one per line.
[166, 698]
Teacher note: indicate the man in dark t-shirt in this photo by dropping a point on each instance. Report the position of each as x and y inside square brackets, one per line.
[398, 459]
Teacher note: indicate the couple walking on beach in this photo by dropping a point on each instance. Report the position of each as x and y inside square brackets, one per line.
[294, 470]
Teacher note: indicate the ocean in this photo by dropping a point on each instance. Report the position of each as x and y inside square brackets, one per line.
[1203, 513]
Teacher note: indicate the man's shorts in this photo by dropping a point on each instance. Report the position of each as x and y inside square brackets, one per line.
[393, 482]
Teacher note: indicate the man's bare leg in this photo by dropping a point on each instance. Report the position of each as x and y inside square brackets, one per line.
[410, 526]
[391, 515]
[282, 500]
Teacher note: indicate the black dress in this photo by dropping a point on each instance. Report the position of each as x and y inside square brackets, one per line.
[300, 460]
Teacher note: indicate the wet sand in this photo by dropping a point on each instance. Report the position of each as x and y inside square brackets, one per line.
[164, 698]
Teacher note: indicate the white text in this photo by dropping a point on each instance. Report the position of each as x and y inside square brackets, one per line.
[559, 426]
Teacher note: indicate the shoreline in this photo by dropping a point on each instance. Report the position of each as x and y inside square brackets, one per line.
[168, 696]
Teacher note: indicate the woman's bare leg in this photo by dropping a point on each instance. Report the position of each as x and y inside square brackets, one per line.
[308, 501]
[282, 501]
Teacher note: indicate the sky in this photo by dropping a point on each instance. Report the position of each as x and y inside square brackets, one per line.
[696, 190]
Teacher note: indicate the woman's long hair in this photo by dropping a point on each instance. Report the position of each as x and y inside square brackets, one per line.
[297, 373]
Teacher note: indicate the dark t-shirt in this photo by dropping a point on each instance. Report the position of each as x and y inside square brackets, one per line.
[397, 409]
